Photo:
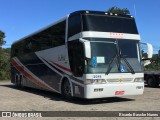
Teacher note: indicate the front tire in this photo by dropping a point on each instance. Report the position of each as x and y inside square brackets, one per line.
[66, 89]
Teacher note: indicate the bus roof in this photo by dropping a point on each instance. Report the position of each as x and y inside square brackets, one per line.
[100, 13]
[83, 12]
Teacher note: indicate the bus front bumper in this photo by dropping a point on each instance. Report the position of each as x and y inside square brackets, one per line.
[112, 90]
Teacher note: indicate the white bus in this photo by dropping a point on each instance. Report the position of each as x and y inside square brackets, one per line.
[87, 54]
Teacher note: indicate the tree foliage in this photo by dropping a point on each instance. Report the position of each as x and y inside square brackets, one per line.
[2, 36]
[117, 10]
[5, 64]
[4, 59]
[155, 64]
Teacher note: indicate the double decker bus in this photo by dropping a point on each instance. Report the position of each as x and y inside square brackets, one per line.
[87, 54]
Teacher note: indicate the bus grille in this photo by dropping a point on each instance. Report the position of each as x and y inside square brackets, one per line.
[120, 80]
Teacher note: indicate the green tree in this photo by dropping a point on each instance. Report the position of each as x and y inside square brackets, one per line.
[117, 10]
[155, 64]
[5, 64]
[2, 36]
[4, 59]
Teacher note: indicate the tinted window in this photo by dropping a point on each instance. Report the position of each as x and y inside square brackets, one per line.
[128, 48]
[109, 24]
[51, 37]
[76, 57]
[17, 49]
[74, 25]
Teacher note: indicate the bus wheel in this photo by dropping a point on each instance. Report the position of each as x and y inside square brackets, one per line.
[66, 89]
[152, 82]
[21, 81]
[17, 80]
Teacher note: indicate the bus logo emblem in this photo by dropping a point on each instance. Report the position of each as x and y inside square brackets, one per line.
[120, 80]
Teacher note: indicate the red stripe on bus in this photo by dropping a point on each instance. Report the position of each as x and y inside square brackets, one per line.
[29, 76]
[62, 67]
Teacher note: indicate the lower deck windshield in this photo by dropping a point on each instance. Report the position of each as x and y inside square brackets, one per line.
[113, 56]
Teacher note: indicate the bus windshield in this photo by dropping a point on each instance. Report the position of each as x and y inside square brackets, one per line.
[105, 55]
[105, 23]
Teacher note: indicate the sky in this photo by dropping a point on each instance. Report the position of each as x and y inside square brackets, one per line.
[19, 18]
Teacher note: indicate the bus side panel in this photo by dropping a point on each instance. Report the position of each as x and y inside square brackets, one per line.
[36, 71]
[25, 81]
[56, 58]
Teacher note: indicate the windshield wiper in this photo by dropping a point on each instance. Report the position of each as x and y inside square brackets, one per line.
[125, 60]
[130, 67]
[119, 56]
[111, 64]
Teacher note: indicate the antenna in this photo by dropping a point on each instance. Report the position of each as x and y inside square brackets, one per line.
[135, 12]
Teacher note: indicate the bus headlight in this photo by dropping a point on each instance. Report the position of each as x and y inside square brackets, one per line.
[95, 81]
[139, 80]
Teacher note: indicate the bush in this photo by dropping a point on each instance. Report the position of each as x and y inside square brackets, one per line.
[155, 64]
[4, 64]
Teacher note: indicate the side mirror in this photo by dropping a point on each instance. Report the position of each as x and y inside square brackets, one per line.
[87, 48]
[147, 52]
[150, 50]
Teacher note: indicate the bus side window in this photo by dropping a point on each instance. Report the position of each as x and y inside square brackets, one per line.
[16, 52]
[28, 47]
[74, 25]
[76, 57]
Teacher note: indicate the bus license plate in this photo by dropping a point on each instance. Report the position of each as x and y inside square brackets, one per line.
[119, 92]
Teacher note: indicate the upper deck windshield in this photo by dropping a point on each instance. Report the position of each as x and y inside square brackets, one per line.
[114, 56]
[104, 23]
